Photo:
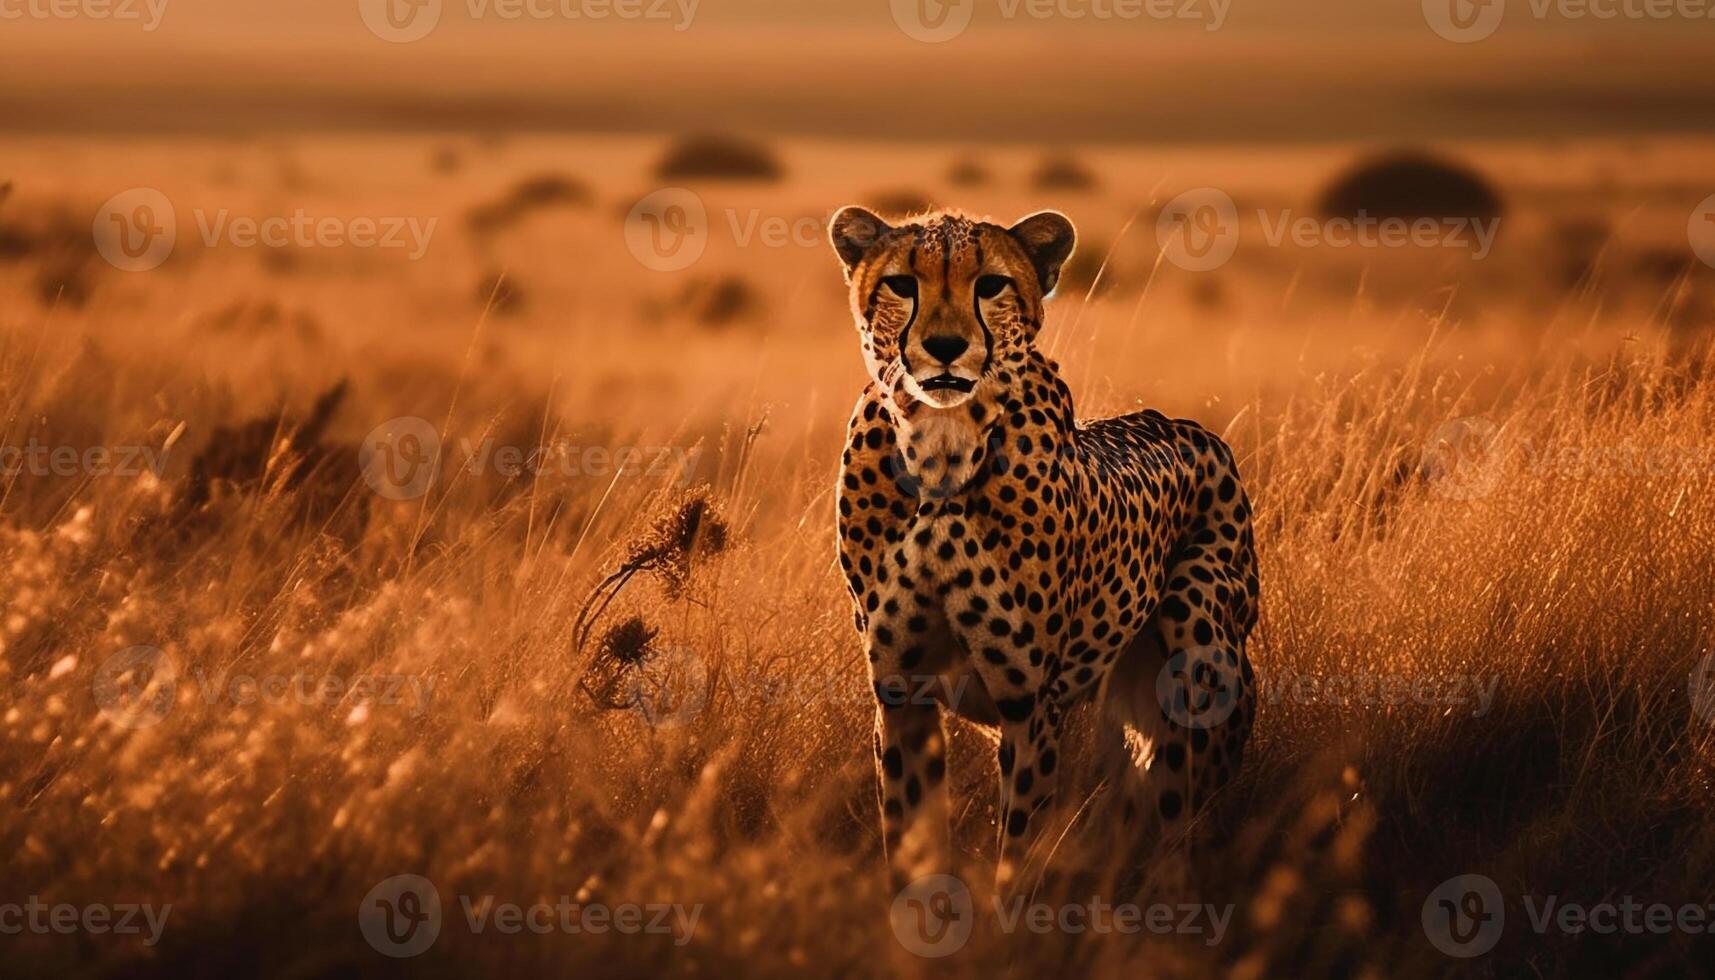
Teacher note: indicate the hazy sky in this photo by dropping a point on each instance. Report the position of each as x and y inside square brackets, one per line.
[1159, 70]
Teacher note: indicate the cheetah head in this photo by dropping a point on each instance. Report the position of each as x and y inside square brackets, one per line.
[941, 299]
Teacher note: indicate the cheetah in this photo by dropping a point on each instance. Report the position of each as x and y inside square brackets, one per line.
[1007, 561]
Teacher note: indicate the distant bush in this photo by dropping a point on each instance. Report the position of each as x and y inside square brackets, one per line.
[1410, 184]
[967, 171]
[715, 302]
[719, 157]
[1063, 172]
[530, 194]
[446, 159]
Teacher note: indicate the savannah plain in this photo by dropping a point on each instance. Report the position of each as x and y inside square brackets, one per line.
[601, 652]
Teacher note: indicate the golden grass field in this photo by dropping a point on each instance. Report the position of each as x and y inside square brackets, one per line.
[1489, 477]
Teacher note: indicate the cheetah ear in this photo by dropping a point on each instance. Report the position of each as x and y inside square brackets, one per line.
[1047, 238]
[853, 231]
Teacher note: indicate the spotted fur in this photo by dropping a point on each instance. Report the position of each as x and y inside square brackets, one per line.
[1007, 561]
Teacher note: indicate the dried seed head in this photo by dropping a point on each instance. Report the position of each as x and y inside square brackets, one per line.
[627, 642]
[690, 525]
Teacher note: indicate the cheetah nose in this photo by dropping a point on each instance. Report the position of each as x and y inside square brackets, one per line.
[945, 348]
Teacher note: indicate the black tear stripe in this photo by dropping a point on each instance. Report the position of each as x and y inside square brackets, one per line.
[977, 308]
[916, 303]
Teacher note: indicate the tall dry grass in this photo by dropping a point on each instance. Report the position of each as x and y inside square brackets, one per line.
[1523, 505]
[1561, 558]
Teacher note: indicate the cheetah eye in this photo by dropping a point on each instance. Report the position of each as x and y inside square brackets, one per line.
[905, 287]
[988, 287]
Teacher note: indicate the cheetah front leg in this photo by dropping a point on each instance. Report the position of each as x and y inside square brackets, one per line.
[911, 766]
[1018, 682]
[907, 653]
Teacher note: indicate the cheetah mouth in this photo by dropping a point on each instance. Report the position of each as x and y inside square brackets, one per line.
[948, 382]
